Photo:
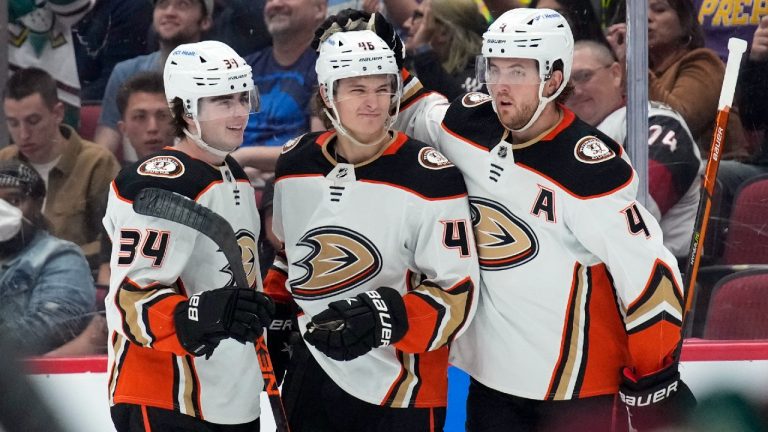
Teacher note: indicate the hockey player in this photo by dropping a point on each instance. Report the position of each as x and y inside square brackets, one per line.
[181, 354]
[378, 255]
[580, 301]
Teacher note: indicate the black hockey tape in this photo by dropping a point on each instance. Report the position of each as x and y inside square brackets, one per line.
[164, 204]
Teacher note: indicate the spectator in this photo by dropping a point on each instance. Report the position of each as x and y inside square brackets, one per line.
[683, 74]
[581, 16]
[674, 162]
[444, 38]
[240, 24]
[176, 22]
[40, 35]
[286, 78]
[145, 120]
[113, 31]
[46, 290]
[76, 172]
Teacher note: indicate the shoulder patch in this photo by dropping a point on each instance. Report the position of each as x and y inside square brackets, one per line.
[432, 159]
[474, 99]
[161, 166]
[291, 144]
[592, 150]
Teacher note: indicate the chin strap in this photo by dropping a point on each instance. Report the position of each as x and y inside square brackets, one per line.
[543, 101]
[197, 139]
[342, 130]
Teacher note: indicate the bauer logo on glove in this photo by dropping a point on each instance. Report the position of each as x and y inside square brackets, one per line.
[352, 327]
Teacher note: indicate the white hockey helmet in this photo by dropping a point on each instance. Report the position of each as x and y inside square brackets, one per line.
[538, 34]
[205, 69]
[355, 54]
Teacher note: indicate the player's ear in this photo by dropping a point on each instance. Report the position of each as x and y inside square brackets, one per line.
[553, 83]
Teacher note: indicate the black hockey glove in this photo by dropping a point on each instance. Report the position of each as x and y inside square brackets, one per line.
[351, 327]
[282, 334]
[353, 19]
[209, 317]
[653, 401]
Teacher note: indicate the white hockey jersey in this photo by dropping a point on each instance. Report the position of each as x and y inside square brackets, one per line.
[43, 38]
[156, 264]
[674, 171]
[399, 220]
[575, 281]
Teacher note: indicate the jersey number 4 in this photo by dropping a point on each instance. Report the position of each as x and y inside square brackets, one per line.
[154, 245]
[456, 236]
[635, 222]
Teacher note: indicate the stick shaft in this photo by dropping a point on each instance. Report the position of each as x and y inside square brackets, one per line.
[736, 48]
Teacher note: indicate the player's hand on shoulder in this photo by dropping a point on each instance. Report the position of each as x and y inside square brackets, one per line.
[345, 20]
[207, 318]
[655, 400]
[352, 20]
[352, 327]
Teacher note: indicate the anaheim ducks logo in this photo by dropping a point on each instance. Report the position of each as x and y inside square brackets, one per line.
[432, 159]
[248, 252]
[161, 166]
[474, 99]
[339, 260]
[503, 240]
[290, 144]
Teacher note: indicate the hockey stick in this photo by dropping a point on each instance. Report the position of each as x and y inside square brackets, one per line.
[177, 208]
[736, 48]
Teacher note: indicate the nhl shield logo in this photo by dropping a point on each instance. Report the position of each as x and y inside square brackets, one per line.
[591, 150]
[432, 159]
[161, 166]
[474, 99]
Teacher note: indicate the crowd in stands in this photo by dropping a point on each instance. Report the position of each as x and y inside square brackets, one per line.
[110, 53]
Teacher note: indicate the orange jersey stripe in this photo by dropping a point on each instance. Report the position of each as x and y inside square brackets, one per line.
[433, 371]
[422, 323]
[605, 325]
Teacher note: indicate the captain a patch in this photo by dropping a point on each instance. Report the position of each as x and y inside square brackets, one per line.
[161, 166]
[592, 150]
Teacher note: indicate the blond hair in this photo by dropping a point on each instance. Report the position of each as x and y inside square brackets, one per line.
[465, 24]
